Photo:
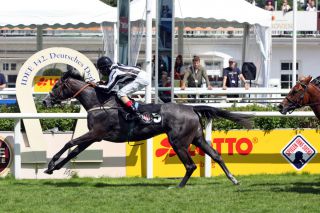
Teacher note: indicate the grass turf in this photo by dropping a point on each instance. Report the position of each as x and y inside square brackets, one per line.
[257, 193]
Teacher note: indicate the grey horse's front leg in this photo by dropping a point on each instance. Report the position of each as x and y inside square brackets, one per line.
[83, 142]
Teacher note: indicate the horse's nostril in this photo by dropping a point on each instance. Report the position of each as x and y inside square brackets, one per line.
[280, 107]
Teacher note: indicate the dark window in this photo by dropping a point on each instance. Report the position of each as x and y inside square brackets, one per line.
[12, 78]
[288, 66]
[5, 66]
[286, 81]
[13, 66]
[285, 66]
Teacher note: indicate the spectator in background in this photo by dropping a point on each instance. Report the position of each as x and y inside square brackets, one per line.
[285, 6]
[3, 82]
[311, 6]
[194, 74]
[269, 6]
[178, 68]
[162, 71]
[231, 76]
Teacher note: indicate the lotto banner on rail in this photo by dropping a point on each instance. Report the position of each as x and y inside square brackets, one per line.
[245, 152]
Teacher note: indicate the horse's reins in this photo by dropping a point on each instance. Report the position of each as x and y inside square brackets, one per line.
[80, 90]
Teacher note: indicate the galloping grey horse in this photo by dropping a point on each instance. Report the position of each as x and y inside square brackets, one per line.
[106, 121]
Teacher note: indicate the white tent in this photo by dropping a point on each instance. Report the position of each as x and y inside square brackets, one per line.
[209, 12]
[53, 12]
[218, 13]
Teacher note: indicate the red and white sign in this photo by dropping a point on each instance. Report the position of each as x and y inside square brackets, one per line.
[298, 152]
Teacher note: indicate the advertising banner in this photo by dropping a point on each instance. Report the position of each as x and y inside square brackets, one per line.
[244, 152]
[282, 21]
[44, 83]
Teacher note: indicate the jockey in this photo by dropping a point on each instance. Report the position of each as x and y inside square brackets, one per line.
[118, 73]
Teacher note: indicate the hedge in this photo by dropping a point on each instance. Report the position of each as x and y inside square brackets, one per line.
[47, 124]
[263, 123]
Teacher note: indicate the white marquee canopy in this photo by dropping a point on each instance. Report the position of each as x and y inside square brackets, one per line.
[55, 12]
[209, 12]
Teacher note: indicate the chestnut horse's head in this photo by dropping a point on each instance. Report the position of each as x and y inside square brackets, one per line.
[297, 97]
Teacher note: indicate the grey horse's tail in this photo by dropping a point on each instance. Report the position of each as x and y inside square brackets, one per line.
[212, 112]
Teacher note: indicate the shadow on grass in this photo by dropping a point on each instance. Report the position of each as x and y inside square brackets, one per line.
[168, 182]
[301, 187]
[103, 184]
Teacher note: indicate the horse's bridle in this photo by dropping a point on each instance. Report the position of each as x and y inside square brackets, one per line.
[64, 83]
[297, 104]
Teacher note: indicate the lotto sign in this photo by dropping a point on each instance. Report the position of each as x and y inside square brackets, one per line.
[44, 83]
[5, 156]
[298, 152]
[244, 152]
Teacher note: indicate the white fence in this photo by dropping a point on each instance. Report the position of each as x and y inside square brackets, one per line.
[216, 97]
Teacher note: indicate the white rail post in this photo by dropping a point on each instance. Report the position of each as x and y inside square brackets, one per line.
[17, 149]
[207, 158]
[148, 89]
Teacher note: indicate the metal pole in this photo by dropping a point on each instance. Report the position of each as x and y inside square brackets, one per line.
[245, 42]
[294, 44]
[148, 89]
[207, 158]
[17, 149]
[172, 52]
[39, 37]
[116, 43]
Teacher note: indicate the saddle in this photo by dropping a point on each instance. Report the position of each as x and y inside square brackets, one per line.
[148, 113]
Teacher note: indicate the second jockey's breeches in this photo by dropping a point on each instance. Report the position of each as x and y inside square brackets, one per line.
[142, 80]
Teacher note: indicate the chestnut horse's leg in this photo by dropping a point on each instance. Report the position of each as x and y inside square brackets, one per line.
[86, 140]
[201, 143]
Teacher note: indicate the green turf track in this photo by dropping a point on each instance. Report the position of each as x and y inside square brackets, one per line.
[259, 193]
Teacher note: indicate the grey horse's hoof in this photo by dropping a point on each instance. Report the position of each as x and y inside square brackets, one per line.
[233, 179]
[49, 172]
[175, 187]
